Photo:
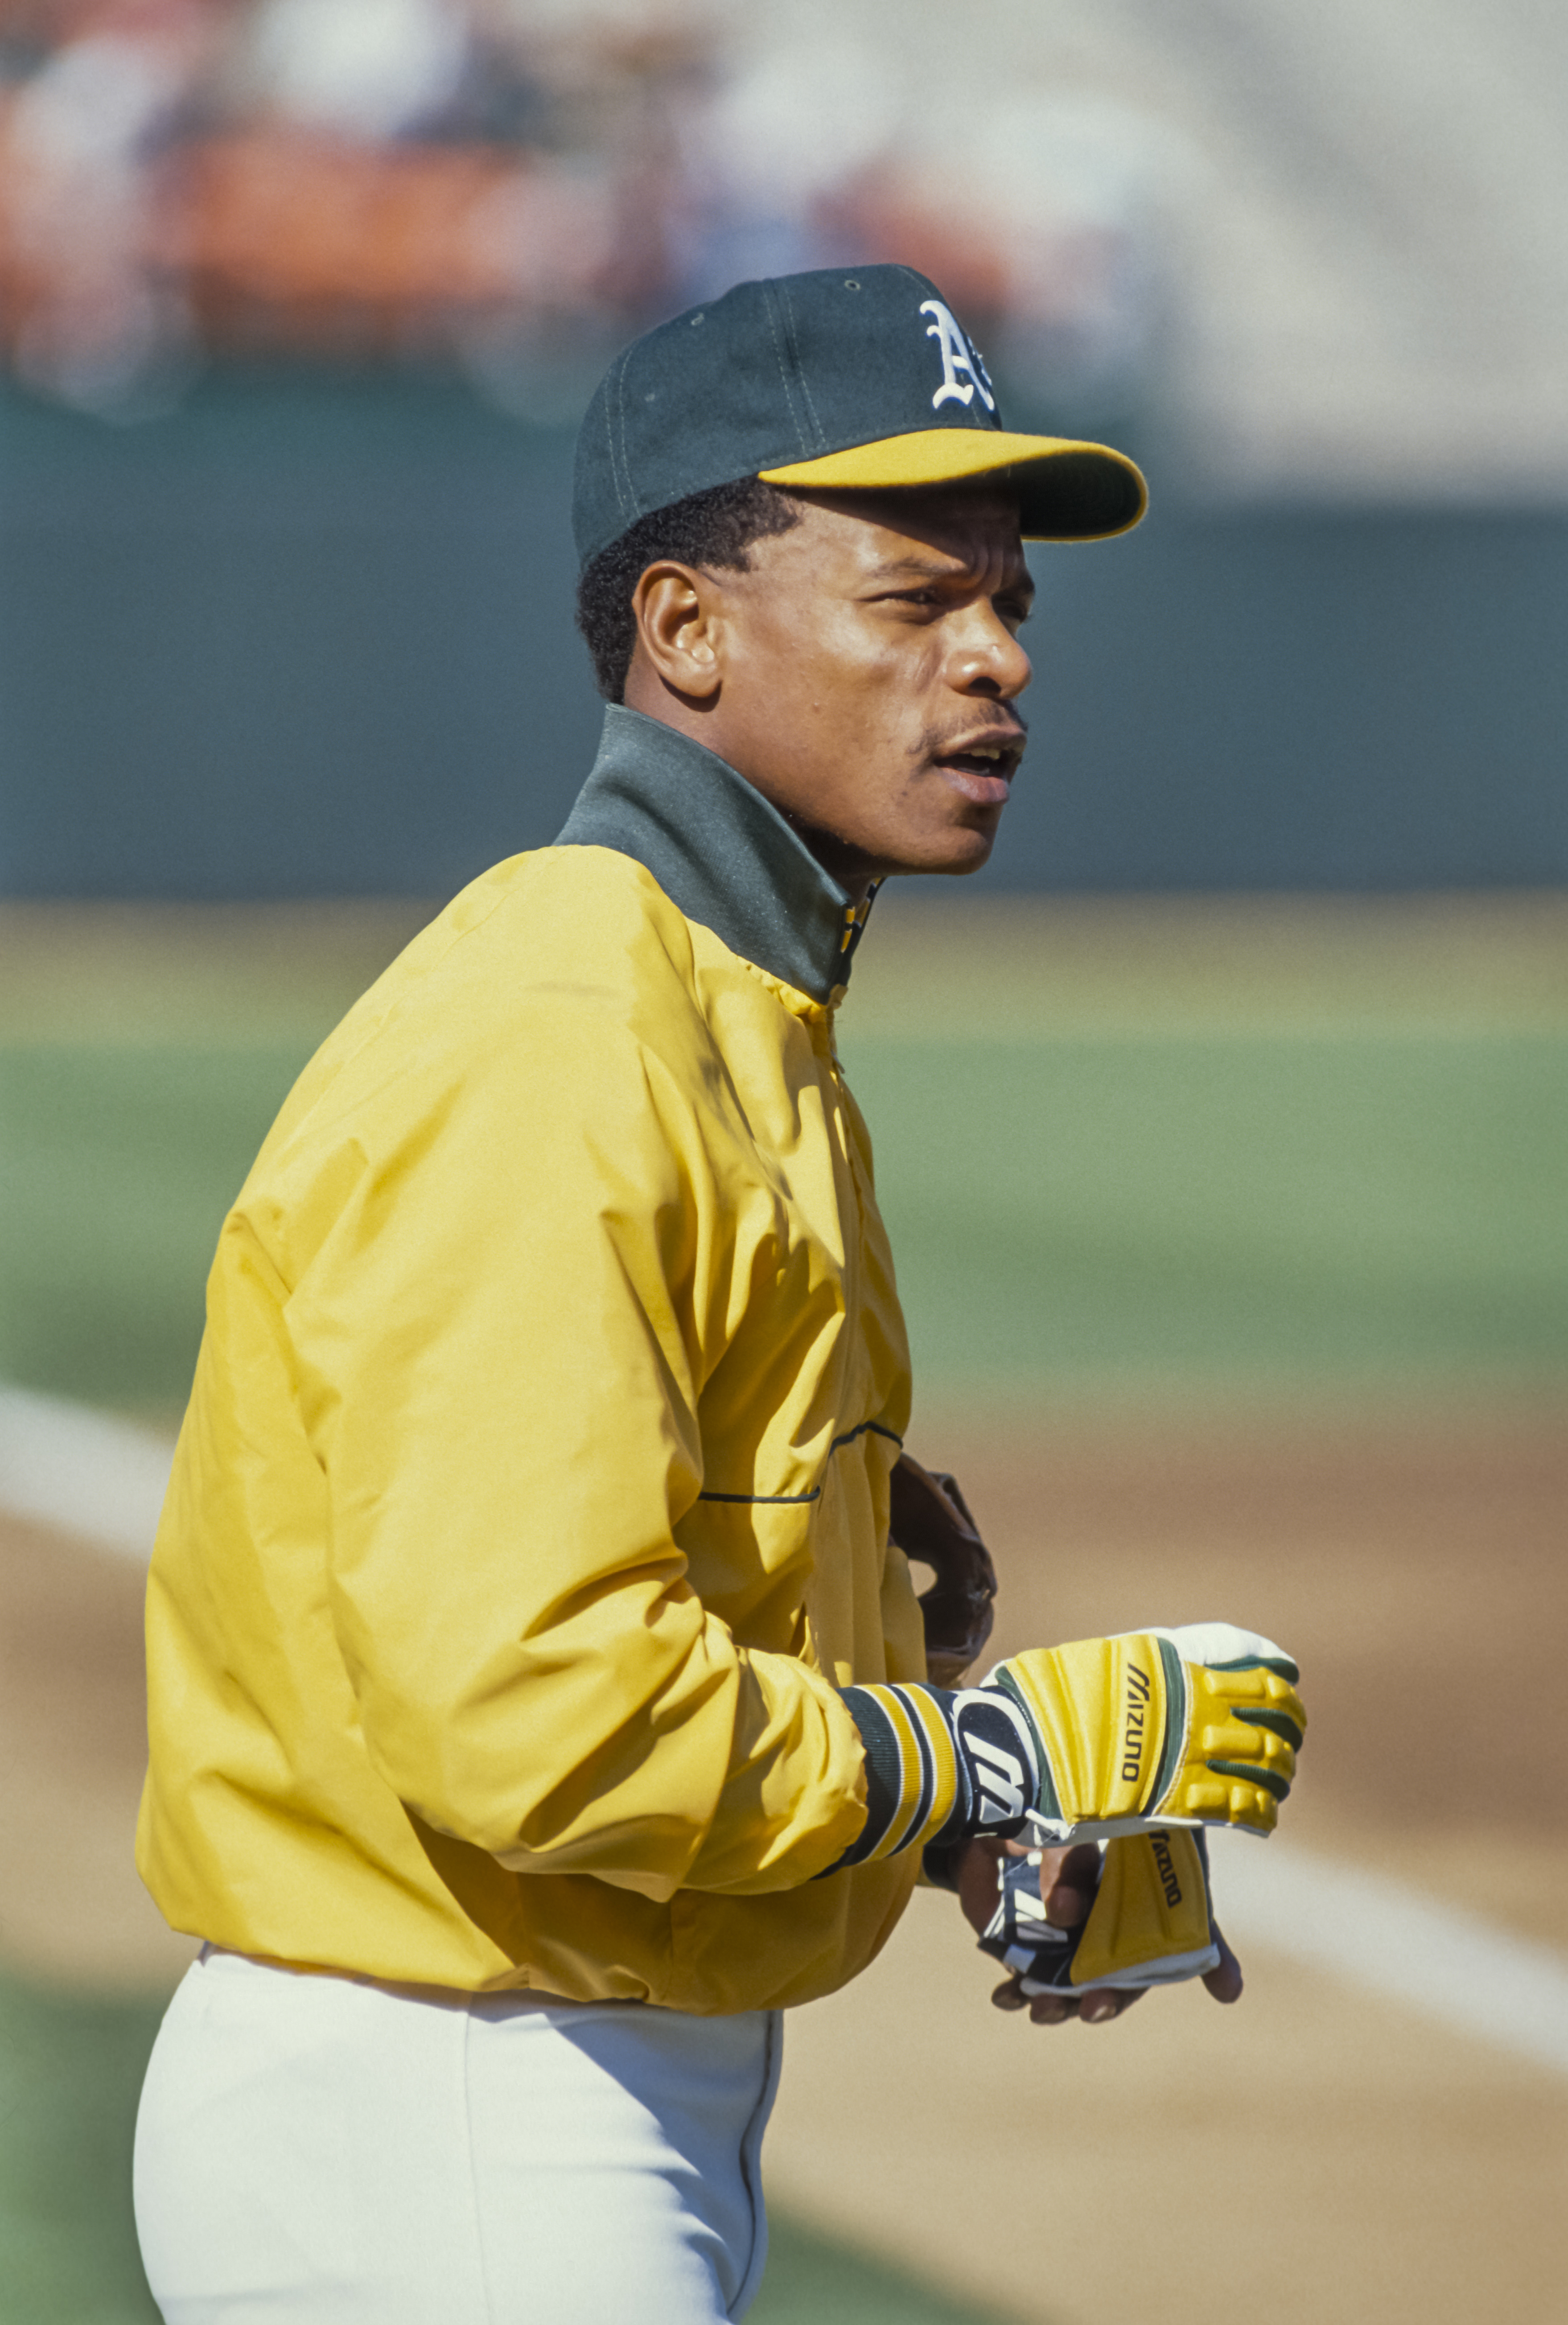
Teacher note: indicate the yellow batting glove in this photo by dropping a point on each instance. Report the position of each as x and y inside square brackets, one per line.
[1149, 1924]
[1093, 1741]
[1198, 1725]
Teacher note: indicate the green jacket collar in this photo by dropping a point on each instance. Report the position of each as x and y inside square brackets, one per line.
[720, 851]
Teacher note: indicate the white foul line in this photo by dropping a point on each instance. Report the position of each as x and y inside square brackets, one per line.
[63, 1465]
[1434, 1959]
[104, 1480]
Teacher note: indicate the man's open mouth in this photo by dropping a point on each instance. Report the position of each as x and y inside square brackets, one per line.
[996, 758]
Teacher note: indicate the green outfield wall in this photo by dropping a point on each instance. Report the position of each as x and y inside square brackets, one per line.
[313, 636]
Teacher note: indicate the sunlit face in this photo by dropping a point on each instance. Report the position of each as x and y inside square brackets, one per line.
[862, 673]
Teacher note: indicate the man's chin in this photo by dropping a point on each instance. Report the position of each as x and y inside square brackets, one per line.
[953, 853]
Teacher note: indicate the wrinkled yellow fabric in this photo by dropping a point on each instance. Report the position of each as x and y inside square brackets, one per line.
[531, 1502]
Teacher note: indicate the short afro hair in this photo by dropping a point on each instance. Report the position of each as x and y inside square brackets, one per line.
[712, 531]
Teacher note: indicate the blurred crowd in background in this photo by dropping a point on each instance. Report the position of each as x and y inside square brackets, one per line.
[511, 187]
[1305, 263]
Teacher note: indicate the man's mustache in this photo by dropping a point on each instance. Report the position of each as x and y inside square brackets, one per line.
[1009, 734]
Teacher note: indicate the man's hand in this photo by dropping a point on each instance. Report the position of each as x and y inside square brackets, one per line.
[930, 1522]
[1101, 1739]
[1105, 1737]
[1068, 1880]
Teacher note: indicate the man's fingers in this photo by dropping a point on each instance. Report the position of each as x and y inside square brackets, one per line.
[1067, 1908]
[1225, 1982]
[1052, 2009]
[1045, 2009]
[979, 1871]
[1056, 2009]
[1069, 1878]
[1098, 2009]
[1094, 2009]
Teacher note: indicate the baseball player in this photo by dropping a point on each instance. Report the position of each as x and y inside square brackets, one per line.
[539, 1701]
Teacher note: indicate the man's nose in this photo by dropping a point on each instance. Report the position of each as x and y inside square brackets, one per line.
[987, 659]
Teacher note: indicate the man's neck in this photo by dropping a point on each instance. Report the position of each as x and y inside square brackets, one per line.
[719, 848]
[704, 723]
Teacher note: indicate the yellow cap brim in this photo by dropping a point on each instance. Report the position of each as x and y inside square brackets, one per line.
[1068, 491]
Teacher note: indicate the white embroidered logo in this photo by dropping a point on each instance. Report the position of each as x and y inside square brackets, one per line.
[957, 355]
[1000, 1778]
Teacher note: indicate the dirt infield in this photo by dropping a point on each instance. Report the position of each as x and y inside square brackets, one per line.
[1418, 1567]
[1312, 2149]
[73, 1741]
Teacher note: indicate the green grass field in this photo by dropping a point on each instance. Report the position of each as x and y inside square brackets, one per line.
[1095, 1212]
[1223, 1165]
[1198, 1153]
[1088, 1212]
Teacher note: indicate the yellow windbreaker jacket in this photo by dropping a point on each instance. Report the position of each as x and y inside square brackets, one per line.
[531, 1503]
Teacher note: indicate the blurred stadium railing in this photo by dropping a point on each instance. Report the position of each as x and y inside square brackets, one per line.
[311, 635]
[353, 265]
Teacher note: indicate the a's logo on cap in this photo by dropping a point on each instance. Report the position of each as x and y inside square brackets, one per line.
[957, 355]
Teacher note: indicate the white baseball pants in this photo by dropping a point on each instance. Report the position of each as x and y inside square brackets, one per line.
[342, 2152]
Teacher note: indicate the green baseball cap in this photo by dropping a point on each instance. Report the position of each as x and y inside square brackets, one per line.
[860, 379]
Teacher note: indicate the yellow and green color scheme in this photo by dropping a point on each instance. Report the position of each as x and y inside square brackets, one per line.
[1198, 1726]
[1149, 1923]
[1090, 1741]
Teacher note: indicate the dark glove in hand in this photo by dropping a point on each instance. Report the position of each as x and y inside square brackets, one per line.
[931, 1522]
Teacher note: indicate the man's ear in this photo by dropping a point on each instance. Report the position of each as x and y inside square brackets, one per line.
[678, 625]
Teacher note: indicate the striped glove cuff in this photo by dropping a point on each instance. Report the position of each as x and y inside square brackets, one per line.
[941, 1766]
